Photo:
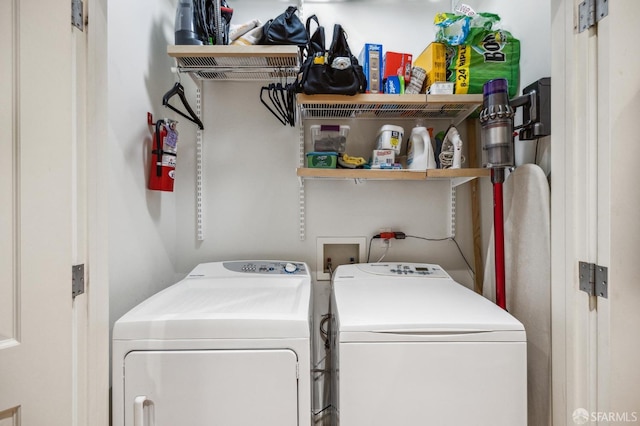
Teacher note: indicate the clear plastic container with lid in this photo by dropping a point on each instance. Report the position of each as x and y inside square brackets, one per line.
[329, 137]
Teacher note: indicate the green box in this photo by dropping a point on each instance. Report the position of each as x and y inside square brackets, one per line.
[322, 160]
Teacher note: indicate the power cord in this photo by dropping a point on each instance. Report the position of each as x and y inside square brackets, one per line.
[473, 273]
[402, 236]
[386, 236]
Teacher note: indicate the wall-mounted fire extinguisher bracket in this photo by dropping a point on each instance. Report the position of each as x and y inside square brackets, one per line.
[163, 154]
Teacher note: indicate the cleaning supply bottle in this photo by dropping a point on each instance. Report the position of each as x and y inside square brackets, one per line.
[419, 150]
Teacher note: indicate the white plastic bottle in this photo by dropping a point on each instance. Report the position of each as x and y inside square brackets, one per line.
[419, 150]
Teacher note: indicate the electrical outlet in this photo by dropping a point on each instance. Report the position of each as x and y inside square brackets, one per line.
[335, 251]
[384, 243]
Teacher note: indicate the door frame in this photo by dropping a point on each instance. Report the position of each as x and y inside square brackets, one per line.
[97, 276]
[572, 326]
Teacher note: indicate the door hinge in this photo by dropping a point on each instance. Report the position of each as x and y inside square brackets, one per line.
[77, 19]
[77, 280]
[590, 12]
[594, 279]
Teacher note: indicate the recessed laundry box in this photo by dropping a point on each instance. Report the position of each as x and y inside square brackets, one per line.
[228, 345]
[413, 347]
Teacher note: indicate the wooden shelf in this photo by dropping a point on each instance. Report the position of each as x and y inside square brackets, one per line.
[311, 173]
[231, 62]
[453, 108]
[457, 173]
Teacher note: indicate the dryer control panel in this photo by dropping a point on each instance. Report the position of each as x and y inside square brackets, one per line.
[267, 267]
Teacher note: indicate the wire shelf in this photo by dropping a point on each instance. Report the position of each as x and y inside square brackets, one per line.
[454, 108]
[237, 62]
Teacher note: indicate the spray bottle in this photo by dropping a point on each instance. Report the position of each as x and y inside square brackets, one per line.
[419, 150]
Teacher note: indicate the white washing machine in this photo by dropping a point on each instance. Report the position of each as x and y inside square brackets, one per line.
[413, 347]
[228, 345]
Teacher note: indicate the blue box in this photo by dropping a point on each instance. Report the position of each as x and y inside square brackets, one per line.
[394, 85]
[371, 60]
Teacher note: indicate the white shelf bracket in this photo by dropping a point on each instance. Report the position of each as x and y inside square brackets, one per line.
[301, 211]
[452, 216]
[301, 194]
[455, 182]
[199, 171]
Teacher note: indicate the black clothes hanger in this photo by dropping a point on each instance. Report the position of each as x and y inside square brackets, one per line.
[275, 111]
[281, 102]
[177, 89]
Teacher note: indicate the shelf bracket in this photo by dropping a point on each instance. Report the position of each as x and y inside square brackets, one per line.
[455, 182]
[301, 211]
[301, 193]
[199, 171]
[452, 216]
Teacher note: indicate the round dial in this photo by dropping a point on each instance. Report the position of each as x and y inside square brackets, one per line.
[290, 267]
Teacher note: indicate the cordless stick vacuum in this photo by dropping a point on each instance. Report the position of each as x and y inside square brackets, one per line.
[496, 119]
[497, 135]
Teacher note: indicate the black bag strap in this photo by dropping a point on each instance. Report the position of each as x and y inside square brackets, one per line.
[339, 46]
[316, 46]
[308, 26]
[290, 13]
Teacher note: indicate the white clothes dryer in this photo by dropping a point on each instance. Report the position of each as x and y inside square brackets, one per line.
[228, 345]
[411, 346]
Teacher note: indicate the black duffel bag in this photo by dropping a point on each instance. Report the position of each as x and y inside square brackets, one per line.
[285, 28]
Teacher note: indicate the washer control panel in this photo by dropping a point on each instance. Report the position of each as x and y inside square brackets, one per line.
[267, 267]
[404, 269]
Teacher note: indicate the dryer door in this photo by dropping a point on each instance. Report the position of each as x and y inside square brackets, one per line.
[211, 387]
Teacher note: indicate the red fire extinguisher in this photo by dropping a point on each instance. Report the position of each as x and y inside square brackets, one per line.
[163, 161]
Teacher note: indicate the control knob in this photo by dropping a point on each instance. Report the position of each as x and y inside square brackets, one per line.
[290, 268]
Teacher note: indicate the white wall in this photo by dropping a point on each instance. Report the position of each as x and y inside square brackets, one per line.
[142, 224]
[251, 189]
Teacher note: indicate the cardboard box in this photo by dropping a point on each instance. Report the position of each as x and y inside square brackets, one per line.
[397, 64]
[394, 85]
[441, 88]
[433, 60]
[383, 156]
[371, 60]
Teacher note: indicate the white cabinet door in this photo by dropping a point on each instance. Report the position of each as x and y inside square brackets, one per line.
[36, 361]
[618, 239]
[595, 203]
[211, 387]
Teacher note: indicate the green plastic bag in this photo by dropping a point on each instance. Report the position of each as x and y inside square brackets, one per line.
[454, 29]
[486, 54]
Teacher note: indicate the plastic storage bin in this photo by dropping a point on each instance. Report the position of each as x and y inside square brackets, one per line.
[329, 137]
[390, 137]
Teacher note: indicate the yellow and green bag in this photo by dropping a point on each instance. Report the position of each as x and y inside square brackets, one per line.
[485, 55]
[477, 51]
